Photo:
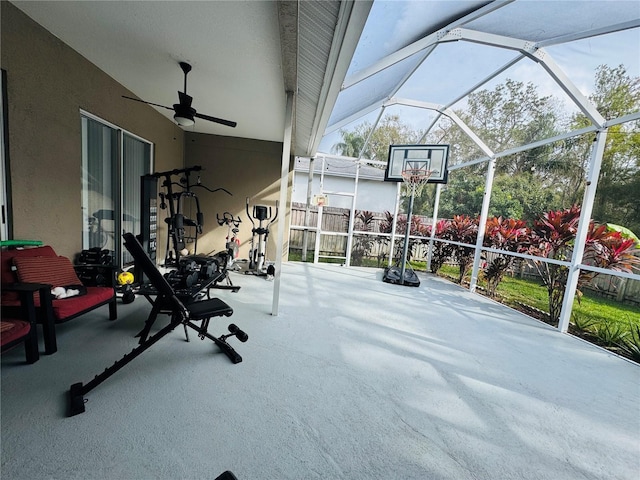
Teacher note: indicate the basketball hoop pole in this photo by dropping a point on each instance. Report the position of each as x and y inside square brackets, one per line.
[405, 249]
[415, 179]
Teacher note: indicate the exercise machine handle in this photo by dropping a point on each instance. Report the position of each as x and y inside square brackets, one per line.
[249, 214]
[228, 219]
[276, 215]
[212, 190]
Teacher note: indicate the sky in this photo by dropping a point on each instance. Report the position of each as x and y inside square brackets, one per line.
[457, 66]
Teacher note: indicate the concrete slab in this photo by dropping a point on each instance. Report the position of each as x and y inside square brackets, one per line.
[355, 379]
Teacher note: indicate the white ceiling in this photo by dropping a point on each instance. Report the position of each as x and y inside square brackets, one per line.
[233, 47]
[241, 53]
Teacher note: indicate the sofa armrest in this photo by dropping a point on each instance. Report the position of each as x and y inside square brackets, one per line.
[26, 313]
[27, 293]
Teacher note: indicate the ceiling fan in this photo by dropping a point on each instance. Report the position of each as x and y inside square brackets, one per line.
[184, 112]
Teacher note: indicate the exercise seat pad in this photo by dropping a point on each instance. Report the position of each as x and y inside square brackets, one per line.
[213, 307]
[11, 330]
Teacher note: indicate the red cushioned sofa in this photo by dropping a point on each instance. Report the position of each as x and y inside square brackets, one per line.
[42, 265]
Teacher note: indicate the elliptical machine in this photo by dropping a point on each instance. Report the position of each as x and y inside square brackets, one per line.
[259, 236]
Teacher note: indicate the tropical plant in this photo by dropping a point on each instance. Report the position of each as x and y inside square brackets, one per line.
[505, 234]
[610, 334]
[441, 251]
[462, 229]
[583, 324]
[553, 236]
[390, 130]
[631, 342]
[362, 244]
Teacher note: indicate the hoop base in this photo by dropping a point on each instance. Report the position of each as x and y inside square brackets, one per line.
[394, 275]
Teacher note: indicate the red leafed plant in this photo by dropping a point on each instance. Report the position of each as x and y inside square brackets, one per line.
[441, 251]
[462, 229]
[505, 234]
[553, 236]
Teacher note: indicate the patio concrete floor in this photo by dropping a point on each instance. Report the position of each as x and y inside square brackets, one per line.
[355, 379]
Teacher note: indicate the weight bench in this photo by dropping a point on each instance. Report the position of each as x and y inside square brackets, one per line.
[166, 302]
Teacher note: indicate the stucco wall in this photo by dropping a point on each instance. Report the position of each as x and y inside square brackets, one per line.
[247, 168]
[47, 85]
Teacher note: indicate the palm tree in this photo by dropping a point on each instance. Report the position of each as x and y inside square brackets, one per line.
[351, 145]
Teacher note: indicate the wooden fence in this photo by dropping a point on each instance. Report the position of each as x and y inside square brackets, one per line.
[620, 289]
[336, 221]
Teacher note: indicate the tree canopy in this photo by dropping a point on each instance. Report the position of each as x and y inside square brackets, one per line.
[526, 183]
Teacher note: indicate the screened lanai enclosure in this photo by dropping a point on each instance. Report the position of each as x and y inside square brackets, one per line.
[540, 105]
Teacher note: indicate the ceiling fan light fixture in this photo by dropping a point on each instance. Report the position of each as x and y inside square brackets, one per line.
[184, 120]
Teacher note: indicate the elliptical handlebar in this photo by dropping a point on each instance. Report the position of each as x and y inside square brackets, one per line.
[276, 215]
[248, 214]
[271, 220]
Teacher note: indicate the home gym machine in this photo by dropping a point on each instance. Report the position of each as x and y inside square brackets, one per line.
[259, 236]
[187, 270]
[177, 221]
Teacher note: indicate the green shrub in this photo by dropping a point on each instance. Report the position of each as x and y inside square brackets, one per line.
[631, 343]
[582, 323]
[611, 334]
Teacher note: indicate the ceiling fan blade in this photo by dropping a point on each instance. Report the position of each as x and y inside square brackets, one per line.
[148, 103]
[228, 123]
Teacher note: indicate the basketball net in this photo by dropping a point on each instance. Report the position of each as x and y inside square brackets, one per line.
[415, 179]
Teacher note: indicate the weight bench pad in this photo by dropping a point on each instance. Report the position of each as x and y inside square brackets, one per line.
[213, 307]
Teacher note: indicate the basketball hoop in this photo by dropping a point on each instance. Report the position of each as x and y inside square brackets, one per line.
[415, 179]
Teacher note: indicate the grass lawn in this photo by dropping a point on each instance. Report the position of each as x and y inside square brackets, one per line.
[592, 308]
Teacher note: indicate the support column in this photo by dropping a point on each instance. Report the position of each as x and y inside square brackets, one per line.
[284, 183]
[482, 223]
[434, 223]
[307, 210]
[352, 216]
[583, 227]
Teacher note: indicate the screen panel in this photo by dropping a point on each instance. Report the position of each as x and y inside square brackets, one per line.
[436, 157]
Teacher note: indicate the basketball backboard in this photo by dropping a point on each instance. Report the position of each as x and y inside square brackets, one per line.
[436, 157]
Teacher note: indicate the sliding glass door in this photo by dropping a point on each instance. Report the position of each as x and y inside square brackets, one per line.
[112, 162]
